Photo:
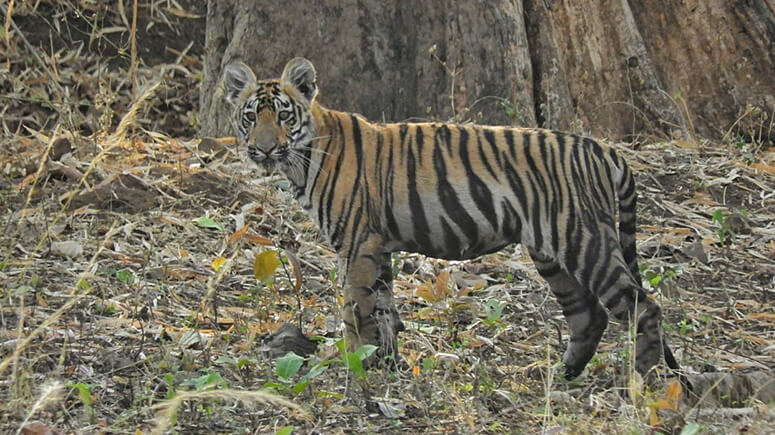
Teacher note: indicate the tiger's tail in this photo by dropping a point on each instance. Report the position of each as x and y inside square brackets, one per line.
[628, 199]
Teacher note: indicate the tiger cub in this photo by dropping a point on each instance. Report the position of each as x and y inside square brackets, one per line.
[455, 192]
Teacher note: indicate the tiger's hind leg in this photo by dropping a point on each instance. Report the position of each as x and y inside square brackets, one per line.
[612, 281]
[587, 319]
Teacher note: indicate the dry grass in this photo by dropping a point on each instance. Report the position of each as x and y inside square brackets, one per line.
[111, 307]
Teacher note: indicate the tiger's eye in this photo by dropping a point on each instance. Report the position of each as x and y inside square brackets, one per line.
[251, 116]
[283, 116]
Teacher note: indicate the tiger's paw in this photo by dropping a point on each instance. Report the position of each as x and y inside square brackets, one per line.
[572, 372]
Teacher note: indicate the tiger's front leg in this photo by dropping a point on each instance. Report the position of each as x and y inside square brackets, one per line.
[370, 315]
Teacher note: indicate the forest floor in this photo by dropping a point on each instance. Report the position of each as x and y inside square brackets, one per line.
[131, 300]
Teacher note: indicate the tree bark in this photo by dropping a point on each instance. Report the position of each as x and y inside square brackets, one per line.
[614, 68]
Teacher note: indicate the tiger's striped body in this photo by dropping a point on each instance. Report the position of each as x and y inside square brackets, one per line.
[455, 192]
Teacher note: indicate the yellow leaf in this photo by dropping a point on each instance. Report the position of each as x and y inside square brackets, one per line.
[653, 417]
[416, 371]
[442, 285]
[265, 265]
[435, 292]
[218, 262]
[662, 405]
[674, 392]
[425, 291]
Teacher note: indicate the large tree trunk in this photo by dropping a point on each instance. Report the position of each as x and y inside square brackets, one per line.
[615, 68]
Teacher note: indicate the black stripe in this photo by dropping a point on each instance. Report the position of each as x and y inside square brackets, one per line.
[555, 199]
[479, 191]
[327, 194]
[422, 230]
[448, 196]
[387, 195]
[509, 136]
[512, 223]
[536, 182]
[451, 240]
[489, 138]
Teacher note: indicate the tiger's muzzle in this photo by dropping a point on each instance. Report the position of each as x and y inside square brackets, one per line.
[268, 155]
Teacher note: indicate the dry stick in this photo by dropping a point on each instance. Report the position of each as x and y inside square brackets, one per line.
[58, 313]
[8, 16]
[133, 52]
[214, 281]
[168, 408]
[129, 117]
[32, 49]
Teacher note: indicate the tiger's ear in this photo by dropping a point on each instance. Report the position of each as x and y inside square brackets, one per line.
[237, 76]
[301, 75]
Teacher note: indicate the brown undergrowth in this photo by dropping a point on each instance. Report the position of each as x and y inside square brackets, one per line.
[129, 298]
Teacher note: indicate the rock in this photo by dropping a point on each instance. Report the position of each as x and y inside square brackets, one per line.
[289, 338]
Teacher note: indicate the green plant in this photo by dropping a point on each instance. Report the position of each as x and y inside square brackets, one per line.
[85, 395]
[207, 222]
[170, 380]
[354, 360]
[210, 380]
[494, 309]
[659, 277]
[126, 276]
[724, 232]
[286, 368]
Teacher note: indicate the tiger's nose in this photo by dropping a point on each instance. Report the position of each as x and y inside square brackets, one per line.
[267, 148]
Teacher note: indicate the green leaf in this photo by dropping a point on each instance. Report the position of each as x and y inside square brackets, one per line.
[205, 381]
[691, 428]
[300, 386]
[84, 392]
[718, 217]
[275, 386]
[285, 430]
[317, 369]
[83, 285]
[265, 265]
[126, 276]
[330, 394]
[341, 344]
[226, 359]
[288, 365]
[494, 309]
[355, 364]
[170, 385]
[206, 222]
[243, 362]
[365, 351]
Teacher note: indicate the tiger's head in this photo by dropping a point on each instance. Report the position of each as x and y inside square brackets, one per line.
[272, 118]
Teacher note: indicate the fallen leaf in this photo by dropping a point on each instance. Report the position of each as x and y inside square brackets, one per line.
[206, 222]
[218, 262]
[69, 249]
[239, 233]
[763, 167]
[265, 265]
